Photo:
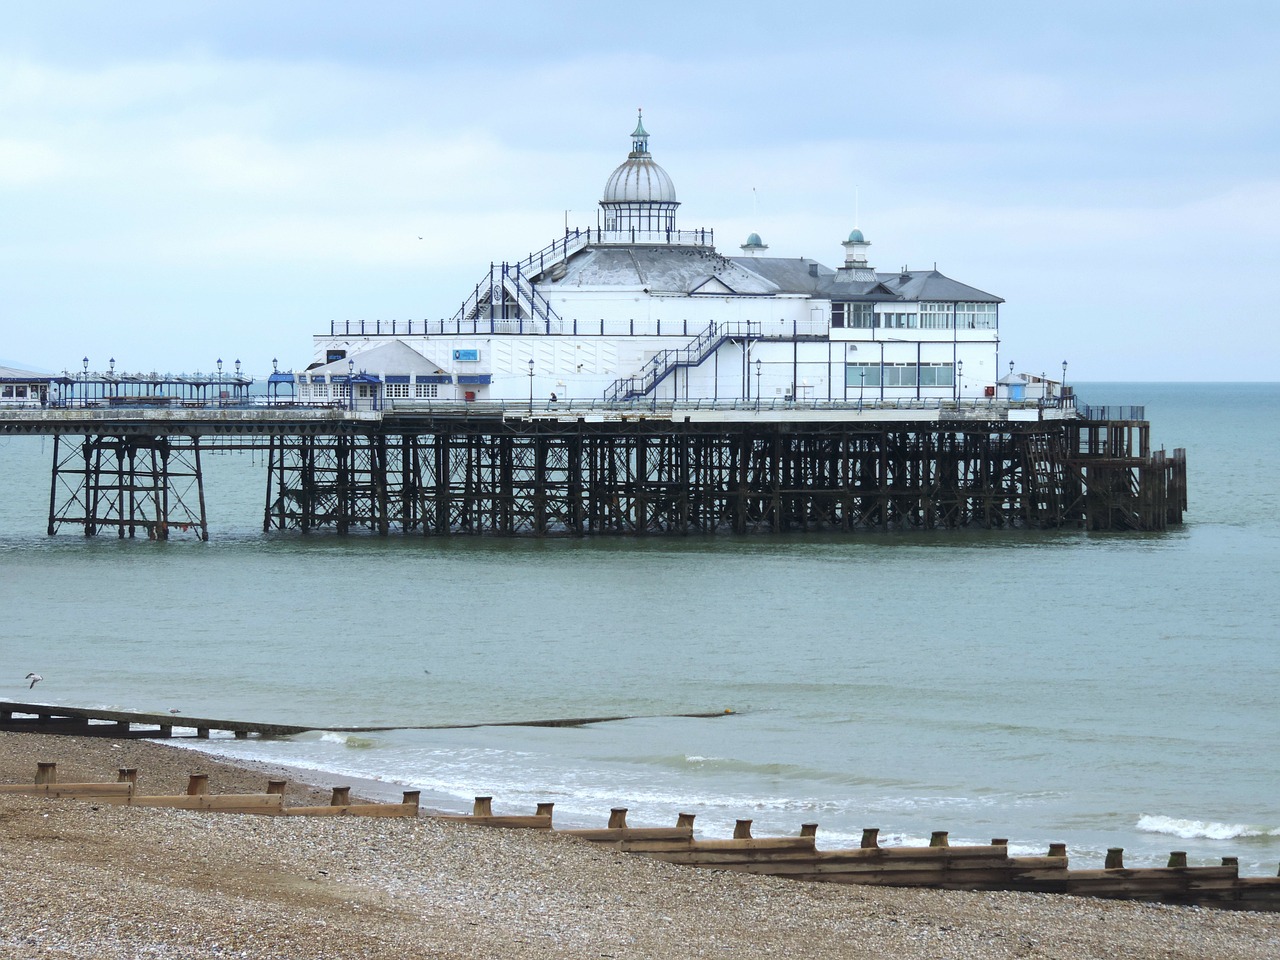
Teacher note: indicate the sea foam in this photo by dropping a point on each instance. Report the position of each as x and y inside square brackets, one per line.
[1200, 829]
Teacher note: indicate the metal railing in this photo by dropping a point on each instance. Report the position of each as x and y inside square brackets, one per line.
[477, 326]
[1111, 412]
[657, 367]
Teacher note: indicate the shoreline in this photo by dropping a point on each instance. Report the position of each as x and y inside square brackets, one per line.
[91, 880]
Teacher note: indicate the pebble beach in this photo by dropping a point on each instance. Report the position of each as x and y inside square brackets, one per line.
[79, 879]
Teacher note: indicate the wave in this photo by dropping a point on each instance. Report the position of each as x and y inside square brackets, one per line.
[1201, 829]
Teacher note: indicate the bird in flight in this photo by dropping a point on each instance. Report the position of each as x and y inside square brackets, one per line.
[34, 678]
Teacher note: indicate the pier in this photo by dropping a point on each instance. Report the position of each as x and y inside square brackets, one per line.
[588, 468]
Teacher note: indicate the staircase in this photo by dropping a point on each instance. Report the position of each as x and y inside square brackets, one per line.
[660, 365]
[508, 294]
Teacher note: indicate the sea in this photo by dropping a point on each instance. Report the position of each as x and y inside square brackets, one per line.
[1098, 689]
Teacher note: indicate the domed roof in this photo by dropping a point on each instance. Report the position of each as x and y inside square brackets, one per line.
[753, 240]
[855, 236]
[638, 178]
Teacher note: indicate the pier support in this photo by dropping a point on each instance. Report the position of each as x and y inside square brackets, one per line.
[654, 476]
[129, 484]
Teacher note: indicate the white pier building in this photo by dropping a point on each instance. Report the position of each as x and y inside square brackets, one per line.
[637, 309]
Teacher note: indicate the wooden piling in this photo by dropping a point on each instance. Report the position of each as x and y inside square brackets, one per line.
[482, 807]
[127, 775]
[742, 830]
[46, 773]
[939, 839]
[341, 797]
[1115, 859]
[617, 818]
[870, 838]
[197, 784]
[277, 787]
[1178, 858]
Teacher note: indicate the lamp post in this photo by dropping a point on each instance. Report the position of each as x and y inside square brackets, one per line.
[959, 381]
[862, 386]
[1062, 390]
[112, 364]
[84, 400]
[531, 386]
[757, 383]
[351, 387]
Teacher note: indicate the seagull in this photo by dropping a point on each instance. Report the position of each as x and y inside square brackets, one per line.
[34, 678]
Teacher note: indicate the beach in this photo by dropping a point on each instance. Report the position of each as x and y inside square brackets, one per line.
[80, 879]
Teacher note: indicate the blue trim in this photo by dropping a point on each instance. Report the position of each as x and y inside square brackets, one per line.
[390, 379]
[435, 378]
[484, 379]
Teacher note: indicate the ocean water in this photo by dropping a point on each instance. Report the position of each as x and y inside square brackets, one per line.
[1105, 690]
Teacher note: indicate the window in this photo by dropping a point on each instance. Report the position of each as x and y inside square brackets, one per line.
[396, 390]
[976, 316]
[935, 316]
[425, 391]
[898, 375]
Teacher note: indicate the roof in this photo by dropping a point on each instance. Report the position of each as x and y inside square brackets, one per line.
[29, 376]
[639, 178]
[931, 285]
[395, 355]
[661, 269]
[788, 274]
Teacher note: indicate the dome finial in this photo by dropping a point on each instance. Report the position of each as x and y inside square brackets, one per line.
[640, 137]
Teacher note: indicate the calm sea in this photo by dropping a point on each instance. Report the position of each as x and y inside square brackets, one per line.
[1113, 690]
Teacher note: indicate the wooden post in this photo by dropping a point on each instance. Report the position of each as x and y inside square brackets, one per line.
[46, 773]
[127, 775]
[939, 839]
[341, 797]
[242, 734]
[544, 809]
[999, 841]
[1115, 859]
[412, 798]
[742, 830]
[617, 818]
[1178, 858]
[870, 838]
[1231, 862]
[483, 807]
[808, 829]
[685, 820]
[202, 733]
[1058, 850]
[197, 784]
[277, 787]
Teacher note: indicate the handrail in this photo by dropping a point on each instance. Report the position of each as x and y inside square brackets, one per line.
[663, 362]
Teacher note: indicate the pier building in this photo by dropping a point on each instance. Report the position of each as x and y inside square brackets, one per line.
[638, 308]
[629, 379]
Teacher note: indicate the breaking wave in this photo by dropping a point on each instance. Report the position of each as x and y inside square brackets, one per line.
[1201, 829]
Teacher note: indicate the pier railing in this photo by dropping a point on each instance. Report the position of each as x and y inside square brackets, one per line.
[575, 327]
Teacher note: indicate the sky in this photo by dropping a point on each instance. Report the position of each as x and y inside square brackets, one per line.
[183, 182]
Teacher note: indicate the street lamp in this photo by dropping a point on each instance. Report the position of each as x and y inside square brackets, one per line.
[112, 363]
[275, 365]
[531, 386]
[1063, 388]
[351, 387]
[757, 383]
[959, 380]
[862, 386]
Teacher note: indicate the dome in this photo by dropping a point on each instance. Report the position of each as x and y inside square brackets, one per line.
[753, 240]
[855, 236]
[639, 179]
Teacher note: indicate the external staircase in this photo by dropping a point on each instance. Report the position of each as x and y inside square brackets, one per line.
[658, 367]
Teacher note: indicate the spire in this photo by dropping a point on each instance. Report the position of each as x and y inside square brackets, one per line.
[640, 137]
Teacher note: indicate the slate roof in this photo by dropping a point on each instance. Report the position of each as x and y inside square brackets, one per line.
[931, 285]
[676, 270]
[787, 274]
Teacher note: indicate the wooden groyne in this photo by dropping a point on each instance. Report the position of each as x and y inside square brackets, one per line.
[979, 867]
[124, 792]
[938, 866]
[139, 725]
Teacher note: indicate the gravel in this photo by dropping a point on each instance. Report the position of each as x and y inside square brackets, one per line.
[79, 879]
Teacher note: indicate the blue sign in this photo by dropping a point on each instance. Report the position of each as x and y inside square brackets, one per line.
[468, 355]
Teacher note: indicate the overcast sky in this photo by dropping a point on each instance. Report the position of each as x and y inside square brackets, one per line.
[183, 181]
